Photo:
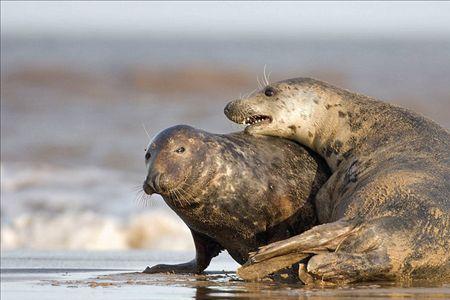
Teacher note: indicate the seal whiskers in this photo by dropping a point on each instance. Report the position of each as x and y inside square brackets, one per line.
[266, 77]
[142, 199]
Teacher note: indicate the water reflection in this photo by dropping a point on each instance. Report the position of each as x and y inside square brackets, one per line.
[384, 290]
[223, 285]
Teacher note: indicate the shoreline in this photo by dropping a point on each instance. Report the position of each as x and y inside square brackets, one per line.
[25, 276]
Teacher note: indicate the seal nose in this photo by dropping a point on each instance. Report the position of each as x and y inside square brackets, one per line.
[233, 111]
[149, 190]
[152, 183]
[148, 185]
[228, 108]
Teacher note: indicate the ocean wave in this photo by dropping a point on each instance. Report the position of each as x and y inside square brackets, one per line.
[50, 189]
[89, 231]
[47, 207]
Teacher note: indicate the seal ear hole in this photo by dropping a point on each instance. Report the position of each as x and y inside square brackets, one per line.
[147, 156]
[269, 91]
[180, 150]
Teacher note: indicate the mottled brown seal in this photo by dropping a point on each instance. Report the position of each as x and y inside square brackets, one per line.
[234, 191]
[386, 208]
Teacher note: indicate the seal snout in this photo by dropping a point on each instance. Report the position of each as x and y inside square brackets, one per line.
[240, 113]
[152, 184]
[233, 112]
[149, 190]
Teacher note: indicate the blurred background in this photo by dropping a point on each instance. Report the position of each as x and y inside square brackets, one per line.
[79, 80]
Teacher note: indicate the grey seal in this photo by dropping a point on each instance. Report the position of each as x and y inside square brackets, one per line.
[234, 191]
[385, 209]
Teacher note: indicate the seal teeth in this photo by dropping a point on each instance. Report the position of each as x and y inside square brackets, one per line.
[256, 119]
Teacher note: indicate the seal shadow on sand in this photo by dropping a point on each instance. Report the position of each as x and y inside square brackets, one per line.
[226, 285]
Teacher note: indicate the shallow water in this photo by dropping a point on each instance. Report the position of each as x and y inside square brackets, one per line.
[87, 275]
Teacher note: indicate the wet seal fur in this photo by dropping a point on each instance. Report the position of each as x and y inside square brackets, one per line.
[234, 191]
[386, 208]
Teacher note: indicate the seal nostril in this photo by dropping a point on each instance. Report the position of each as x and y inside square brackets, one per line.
[228, 107]
[180, 150]
[226, 110]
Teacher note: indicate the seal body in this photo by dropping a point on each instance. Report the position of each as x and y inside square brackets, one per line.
[386, 208]
[234, 191]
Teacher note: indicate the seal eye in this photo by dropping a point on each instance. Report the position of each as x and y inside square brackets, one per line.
[269, 91]
[180, 150]
[147, 156]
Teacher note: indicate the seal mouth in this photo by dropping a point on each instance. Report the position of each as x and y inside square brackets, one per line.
[257, 119]
[240, 113]
[153, 186]
[148, 189]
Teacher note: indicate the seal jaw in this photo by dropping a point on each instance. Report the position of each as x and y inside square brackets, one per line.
[255, 122]
[238, 113]
[258, 119]
[258, 128]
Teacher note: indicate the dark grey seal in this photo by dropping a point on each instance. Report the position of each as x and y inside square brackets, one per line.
[234, 191]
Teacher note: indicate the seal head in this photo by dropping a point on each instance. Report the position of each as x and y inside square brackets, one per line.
[174, 160]
[276, 109]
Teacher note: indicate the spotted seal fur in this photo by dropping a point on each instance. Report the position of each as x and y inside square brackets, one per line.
[385, 211]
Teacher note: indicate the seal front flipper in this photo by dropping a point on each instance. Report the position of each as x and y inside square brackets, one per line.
[205, 249]
[255, 271]
[321, 237]
[189, 267]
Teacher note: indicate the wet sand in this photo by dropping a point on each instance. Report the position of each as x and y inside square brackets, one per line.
[116, 275]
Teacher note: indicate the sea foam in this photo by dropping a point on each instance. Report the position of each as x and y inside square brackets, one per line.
[46, 207]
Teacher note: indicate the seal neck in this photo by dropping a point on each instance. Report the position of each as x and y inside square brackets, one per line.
[328, 132]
